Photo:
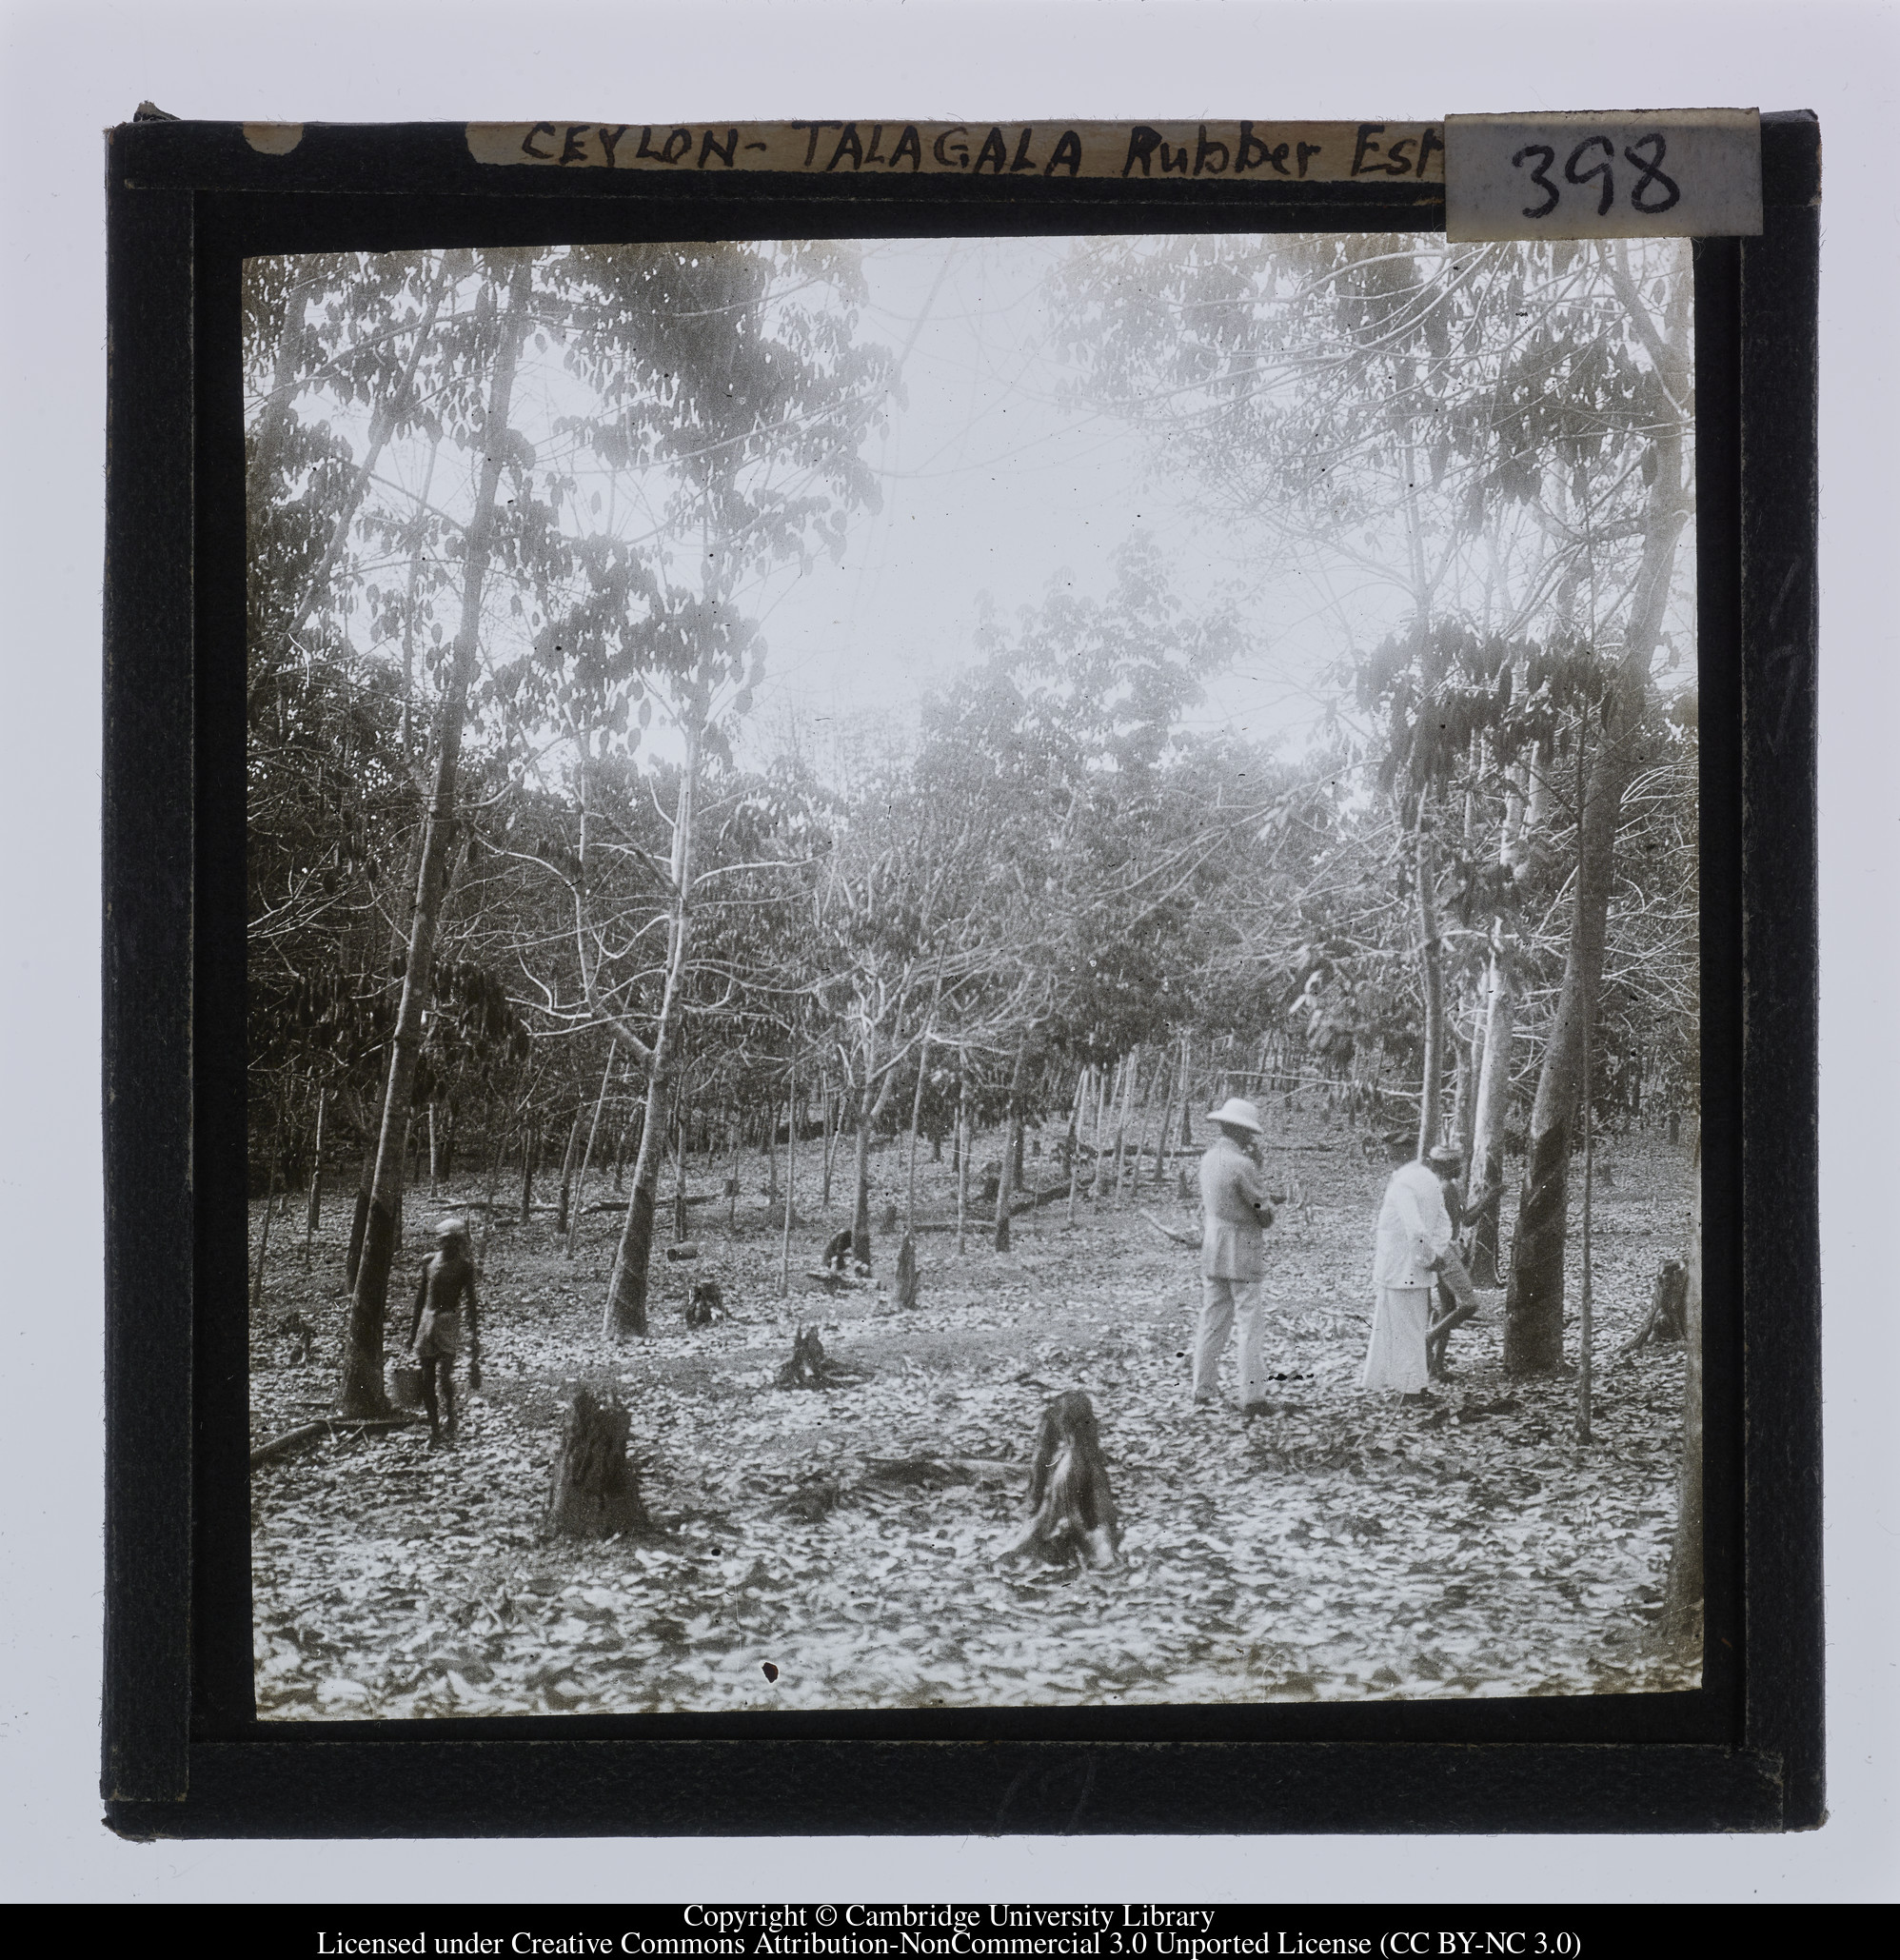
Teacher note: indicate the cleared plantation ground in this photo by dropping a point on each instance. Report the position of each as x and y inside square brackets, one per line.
[1341, 1547]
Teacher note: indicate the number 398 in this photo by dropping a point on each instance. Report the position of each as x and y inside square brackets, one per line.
[1592, 162]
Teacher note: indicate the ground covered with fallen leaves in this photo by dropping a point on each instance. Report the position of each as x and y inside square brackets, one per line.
[837, 1548]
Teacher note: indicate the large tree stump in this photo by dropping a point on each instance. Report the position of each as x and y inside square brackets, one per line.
[593, 1491]
[1072, 1513]
[907, 1272]
[706, 1303]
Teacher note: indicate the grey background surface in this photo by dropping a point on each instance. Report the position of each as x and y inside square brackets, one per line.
[67, 71]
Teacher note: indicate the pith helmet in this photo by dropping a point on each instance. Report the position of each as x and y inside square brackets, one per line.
[1242, 1114]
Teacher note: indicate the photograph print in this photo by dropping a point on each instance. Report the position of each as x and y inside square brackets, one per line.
[973, 975]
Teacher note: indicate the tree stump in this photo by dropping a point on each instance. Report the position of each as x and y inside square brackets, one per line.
[594, 1492]
[907, 1273]
[1072, 1513]
[1669, 1306]
[705, 1305]
[406, 1385]
[807, 1368]
[811, 1367]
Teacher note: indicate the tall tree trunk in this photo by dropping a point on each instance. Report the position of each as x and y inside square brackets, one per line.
[1485, 1165]
[1005, 1182]
[626, 1291]
[860, 1206]
[1682, 1595]
[1432, 960]
[1187, 1092]
[363, 1393]
[1533, 1305]
[1494, 1101]
[316, 1203]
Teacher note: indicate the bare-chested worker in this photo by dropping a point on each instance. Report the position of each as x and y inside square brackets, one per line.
[435, 1326]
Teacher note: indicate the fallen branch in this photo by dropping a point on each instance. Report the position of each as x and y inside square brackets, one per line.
[1168, 1232]
[306, 1434]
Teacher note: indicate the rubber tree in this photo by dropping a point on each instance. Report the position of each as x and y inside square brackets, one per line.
[1627, 739]
[362, 1389]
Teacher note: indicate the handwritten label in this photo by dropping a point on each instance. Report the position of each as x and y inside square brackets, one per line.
[1667, 173]
[1152, 153]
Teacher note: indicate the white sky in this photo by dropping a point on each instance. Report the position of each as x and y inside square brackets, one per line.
[991, 483]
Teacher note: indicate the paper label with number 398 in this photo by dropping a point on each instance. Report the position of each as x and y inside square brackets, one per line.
[1663, 174]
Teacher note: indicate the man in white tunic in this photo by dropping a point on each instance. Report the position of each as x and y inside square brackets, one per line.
[1234, 1212]
[1414, 1232]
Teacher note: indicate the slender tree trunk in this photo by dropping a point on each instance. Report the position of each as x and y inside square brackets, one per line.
[264, 1237]
[626, 1292]
[830, 1134]
[1683, 1593]
[1075, 1140]
[363, 1393]
[1131, 1068]
[564, 1211]
[1104, 1094]
[962, 1157]
[791, 1186]
[530, 1152]
[315, 1206]
[916, 1109]
[1187, 1091]
[1005, 1182]
[1432, 962]
[434, 1171]
[587, 1157]
[680, 1231]
[488, 1203]
[861, 1208]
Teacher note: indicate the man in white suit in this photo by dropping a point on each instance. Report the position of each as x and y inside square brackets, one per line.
[1413, 1232]
[1233, 1213]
